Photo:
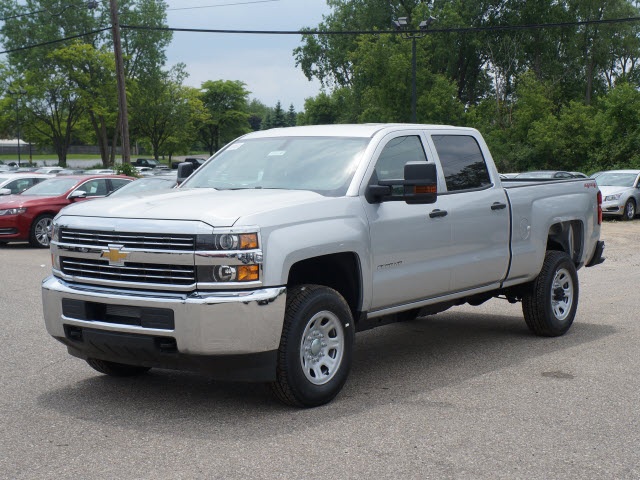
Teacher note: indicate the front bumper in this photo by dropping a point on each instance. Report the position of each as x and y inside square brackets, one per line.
[232, 335]
[613, 207]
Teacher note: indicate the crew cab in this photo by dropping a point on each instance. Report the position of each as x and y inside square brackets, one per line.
[268, 259]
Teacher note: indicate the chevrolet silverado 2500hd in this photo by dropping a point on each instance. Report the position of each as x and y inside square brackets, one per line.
[268, 259]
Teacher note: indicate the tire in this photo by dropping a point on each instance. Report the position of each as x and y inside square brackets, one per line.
[116, 369]
[550, 305]
[316, 347]
[39, 231]
[629, 210]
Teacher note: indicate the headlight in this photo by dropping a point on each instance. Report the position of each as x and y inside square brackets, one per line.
[610, 198]
[227, 241]
[228, 273]
[12, 211]
[55, 232]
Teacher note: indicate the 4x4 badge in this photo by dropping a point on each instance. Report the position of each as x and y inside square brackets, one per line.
[115, 255]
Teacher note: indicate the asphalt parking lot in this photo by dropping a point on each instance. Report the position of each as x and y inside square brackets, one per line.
[466, 394]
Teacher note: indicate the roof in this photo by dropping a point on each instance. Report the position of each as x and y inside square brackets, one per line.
[366, 130]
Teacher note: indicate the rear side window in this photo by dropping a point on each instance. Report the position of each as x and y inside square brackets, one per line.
[462, 162]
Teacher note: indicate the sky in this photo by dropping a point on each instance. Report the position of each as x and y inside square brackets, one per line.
[265, 63]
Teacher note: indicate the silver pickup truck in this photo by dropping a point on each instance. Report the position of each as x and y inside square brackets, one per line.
[269, 258]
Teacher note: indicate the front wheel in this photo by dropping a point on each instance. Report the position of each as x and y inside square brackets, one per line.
[549, 306]
[316, 347]
[39, 234]
[629, 210]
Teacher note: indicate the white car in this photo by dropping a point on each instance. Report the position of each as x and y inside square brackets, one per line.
[49, 170]
[620, 193]
[14, 183]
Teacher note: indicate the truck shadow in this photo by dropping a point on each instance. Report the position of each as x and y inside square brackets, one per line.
[396, 364]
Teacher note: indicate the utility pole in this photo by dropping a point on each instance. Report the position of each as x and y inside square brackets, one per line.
[122, 92]
[17, 94]
[403, 26]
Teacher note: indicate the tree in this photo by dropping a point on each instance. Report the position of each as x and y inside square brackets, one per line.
[292, 116]
[278, 118]
[85, 61]
[227, 116]
[163, 111]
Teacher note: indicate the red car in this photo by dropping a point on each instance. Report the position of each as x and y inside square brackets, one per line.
[28, 216]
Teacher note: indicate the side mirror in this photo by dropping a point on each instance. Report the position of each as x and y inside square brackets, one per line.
[77, 194]
[184, 170]
[420, 183]
[5, 191]
[419, 186]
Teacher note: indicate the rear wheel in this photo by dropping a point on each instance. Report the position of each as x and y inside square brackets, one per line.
[316, 347]
[629, 210]
[116, 369]
[550, 305]
[39, 233]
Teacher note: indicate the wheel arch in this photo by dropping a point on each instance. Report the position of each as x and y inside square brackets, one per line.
[340, 271]
[567, 237]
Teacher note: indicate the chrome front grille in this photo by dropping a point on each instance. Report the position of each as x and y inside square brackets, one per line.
[147, 241]
[136, 273]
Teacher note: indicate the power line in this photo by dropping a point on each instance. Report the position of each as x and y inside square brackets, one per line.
[379, 32]
[342, 32]
[60, 40]
[222, 5]
[44, 10]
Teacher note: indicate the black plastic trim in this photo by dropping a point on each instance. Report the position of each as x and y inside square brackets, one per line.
[163, 352]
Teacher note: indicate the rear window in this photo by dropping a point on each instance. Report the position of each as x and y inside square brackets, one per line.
[462, 162]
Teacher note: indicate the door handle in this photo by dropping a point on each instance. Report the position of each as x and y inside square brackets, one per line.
[438, 213]
[498, 206]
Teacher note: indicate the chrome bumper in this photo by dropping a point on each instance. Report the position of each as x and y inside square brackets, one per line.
[212, 324]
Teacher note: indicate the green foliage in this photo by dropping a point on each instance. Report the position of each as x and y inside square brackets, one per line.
[72, 84]
[225, 113]
[126, 169]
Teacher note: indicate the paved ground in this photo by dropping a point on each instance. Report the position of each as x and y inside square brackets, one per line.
[466, 394]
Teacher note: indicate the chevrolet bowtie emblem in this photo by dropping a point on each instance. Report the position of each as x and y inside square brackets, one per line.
[115, 255]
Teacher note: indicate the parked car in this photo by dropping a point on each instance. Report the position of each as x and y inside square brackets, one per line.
[195, 161]
[100, 171]
[145, 162]
[28, 216]
[620, 193]
[49, 170]
[70, 171]
[548, 174]
[13, 183]
[146, 184]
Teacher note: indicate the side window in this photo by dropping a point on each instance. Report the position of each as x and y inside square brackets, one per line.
[396, 154]
[95, 188]
[20, 185]
[116, 183]
[462, 162]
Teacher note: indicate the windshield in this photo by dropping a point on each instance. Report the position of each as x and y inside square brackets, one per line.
[145, 185]
[52, 187]
[616, 179]
[322, 164]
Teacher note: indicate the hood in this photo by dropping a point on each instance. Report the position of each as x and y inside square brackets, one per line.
[10, 201]
[610, 190]
[218, 208]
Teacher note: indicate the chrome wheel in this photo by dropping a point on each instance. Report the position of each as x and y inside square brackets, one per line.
[562, 294]
[630, 210]
[41, 230]
[322, 347]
